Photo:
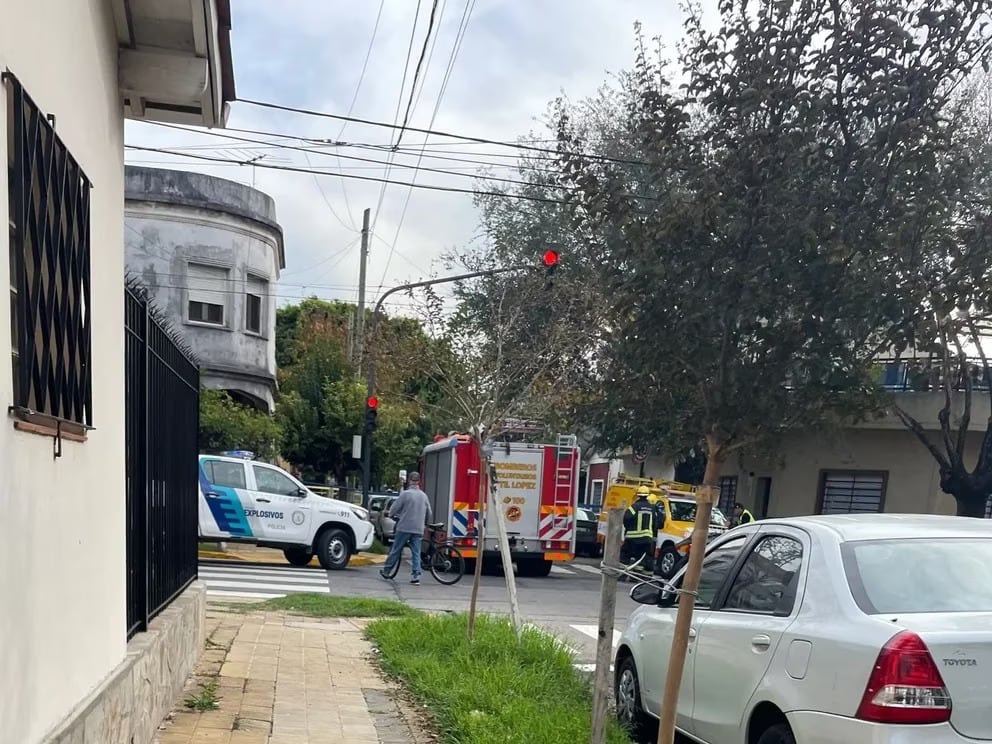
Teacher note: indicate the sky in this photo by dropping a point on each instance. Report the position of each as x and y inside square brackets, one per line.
[514, 58]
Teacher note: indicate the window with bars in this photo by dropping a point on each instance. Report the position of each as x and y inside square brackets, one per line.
[207, 293]
[49, 258]
[852, 492]
[728, 493]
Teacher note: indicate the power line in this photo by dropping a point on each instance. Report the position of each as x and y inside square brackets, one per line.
[459, 35]
[295, 148]
[297, 169]
[437, 133]
[416, 72]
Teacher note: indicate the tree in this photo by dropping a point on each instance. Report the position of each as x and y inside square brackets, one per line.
[755, 245]
[952, 293]
[322, 405]
[228, 425]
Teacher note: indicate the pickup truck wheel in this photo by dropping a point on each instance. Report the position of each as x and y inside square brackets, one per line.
[333, 550]
[298, 556]
[669, 561]
[534, 567]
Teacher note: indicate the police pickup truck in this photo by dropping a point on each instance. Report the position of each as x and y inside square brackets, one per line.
[245, 501]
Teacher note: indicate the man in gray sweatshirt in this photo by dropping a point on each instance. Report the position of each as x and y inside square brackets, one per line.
[412, 511]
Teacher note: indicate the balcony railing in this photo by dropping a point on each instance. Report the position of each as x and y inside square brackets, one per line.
[927, 374]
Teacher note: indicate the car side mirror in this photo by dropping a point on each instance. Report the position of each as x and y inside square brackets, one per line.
[301, 492]
[651, 594]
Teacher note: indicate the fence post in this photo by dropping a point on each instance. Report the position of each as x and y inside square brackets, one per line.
[607, 617]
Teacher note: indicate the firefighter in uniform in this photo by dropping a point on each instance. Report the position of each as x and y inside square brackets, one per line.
[742, 515]
[640, 527]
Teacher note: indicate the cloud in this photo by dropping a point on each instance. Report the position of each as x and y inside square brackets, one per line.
[515, 58]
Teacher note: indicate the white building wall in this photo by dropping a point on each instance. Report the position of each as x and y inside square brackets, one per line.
[62, 539]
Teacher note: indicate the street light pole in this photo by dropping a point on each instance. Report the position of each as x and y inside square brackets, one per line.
[370, 391]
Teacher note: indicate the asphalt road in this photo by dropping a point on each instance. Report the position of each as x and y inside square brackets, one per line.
[565, 603]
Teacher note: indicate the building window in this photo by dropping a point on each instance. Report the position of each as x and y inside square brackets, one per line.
[207, 292]
[852, 492]
[728, 493]
[49, 243]
[254, 303]
[596, 497]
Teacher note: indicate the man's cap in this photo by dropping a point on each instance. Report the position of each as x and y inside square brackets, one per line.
[415, 477]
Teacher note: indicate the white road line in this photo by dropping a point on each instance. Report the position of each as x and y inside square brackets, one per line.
[560, 571]
[296, 573]
[266, 585]
[584, 567]
[254, 579]
[593, 632]
[588, 668]
[244, 595]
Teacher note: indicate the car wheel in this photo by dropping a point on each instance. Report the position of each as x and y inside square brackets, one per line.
[333, 550]
[668, 562]
[627, 694]
[780, 733]
[298, 556]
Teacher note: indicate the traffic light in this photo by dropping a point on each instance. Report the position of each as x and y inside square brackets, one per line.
[551, 260]
[371, 413]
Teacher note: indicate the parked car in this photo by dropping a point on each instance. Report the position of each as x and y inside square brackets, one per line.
[385, 526]
[848, 628]
[586, 541]
[245, 501]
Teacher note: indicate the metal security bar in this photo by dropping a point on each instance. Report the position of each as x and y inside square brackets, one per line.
[162, 401]
[49, 232]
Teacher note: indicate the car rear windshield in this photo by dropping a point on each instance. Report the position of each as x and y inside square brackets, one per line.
[685, 511]
[920, 575]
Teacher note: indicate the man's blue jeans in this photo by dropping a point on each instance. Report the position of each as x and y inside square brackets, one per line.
[401, 539]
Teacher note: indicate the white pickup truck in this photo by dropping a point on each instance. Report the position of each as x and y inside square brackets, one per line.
[245, 501]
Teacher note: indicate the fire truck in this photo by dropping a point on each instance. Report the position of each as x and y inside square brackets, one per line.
[537, 491]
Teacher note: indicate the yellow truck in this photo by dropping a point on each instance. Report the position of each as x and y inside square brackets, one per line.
[679, 504]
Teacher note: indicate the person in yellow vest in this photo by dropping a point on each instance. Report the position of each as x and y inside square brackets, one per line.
[742, 515]
[640, 524]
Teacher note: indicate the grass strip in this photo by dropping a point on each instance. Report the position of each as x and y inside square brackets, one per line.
[324, 605]
[499, 689]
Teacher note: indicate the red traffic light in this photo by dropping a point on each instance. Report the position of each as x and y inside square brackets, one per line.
[551, 258]
[372, 402]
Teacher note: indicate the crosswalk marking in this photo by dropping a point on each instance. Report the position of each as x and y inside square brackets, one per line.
[260, 583]
[593, 632]
[561, 571]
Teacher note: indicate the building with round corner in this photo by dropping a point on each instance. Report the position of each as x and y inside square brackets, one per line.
[210, 251]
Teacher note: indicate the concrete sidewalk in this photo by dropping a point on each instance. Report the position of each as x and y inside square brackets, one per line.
[285, 679]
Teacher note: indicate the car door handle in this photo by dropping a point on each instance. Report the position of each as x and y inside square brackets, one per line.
[692, 633]
[264, 501]
[761, 642]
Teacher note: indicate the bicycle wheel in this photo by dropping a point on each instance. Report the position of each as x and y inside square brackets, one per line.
[447, 565]
[404, 555]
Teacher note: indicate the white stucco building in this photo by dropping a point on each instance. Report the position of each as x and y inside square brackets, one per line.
[73, 70]
[209, 251]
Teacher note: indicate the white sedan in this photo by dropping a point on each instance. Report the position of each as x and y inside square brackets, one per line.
[853, 629]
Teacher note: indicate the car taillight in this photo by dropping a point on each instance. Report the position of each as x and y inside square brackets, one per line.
[905, 686]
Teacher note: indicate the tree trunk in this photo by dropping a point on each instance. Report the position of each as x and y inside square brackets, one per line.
[480, 539]
[971, 505]
[687, 598]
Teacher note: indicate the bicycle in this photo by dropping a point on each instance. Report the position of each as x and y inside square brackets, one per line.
[440, 557]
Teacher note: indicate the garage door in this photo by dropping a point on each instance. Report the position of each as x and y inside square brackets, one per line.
[852, 493]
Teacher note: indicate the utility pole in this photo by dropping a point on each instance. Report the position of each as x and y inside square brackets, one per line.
[360, 316]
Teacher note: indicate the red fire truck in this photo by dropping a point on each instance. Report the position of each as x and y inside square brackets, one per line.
[537, 490]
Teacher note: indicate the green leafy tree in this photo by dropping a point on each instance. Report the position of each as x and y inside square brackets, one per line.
[228, 425]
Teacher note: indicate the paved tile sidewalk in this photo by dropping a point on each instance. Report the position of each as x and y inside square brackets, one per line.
[285, 679]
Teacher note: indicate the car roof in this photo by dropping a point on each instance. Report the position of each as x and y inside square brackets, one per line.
[851, 527]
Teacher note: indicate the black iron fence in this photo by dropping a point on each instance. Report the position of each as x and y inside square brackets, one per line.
[927, 374]
[161, 423]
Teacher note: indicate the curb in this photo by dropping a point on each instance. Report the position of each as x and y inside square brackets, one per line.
[360, 559]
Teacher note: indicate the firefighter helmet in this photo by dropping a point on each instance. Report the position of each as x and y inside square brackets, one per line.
[643, 491]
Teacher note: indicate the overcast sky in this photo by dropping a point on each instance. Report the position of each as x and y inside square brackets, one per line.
[515, 57]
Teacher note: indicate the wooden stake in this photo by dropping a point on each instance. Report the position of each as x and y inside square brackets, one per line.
[480, 530]
[706, 496]
[607, 618]
[503, 541]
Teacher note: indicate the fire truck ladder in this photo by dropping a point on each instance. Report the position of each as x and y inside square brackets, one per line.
[564, 479]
